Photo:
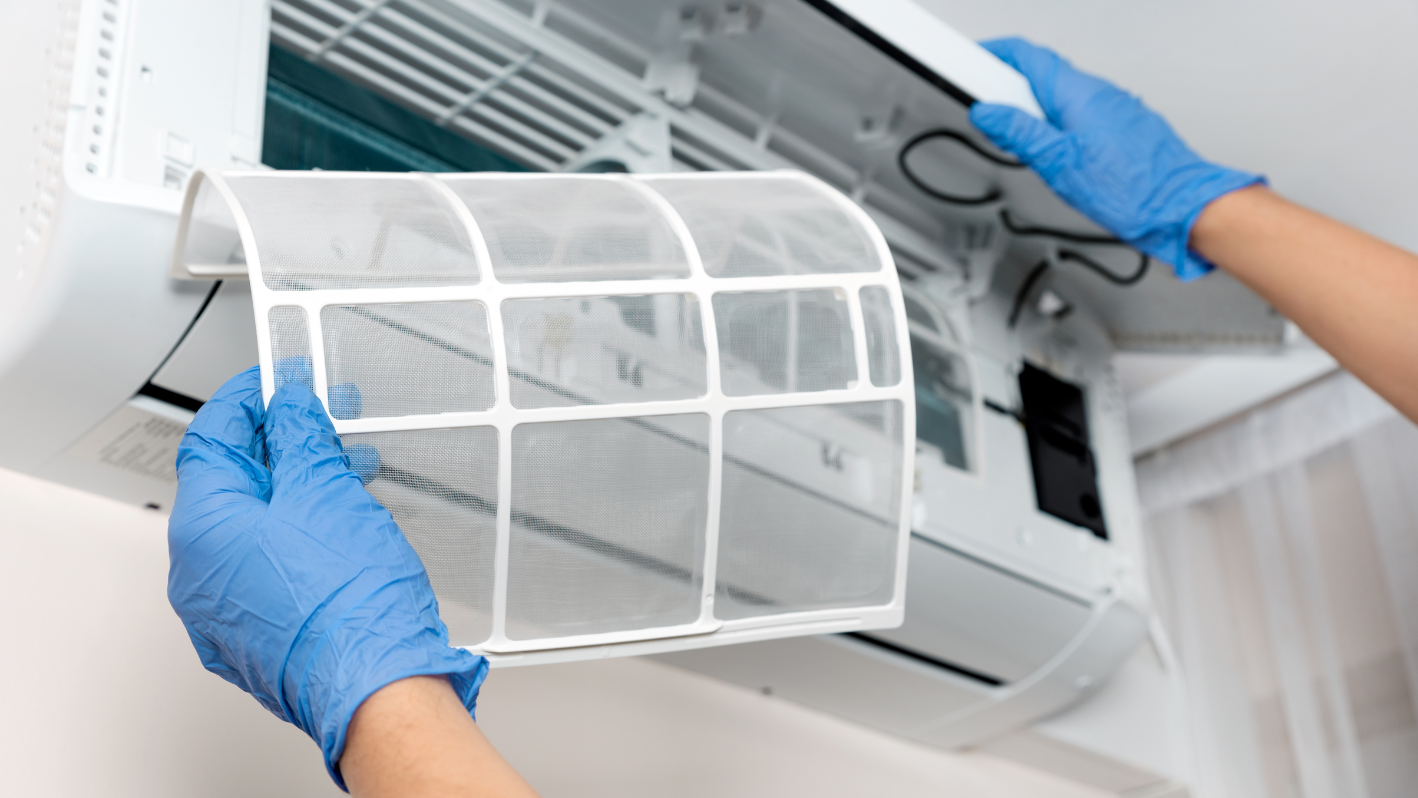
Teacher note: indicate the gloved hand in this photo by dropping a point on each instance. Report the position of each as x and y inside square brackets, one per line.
[1107, 155]
[294, 583]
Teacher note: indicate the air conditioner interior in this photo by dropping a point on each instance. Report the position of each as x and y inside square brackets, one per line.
[754, 85]
[641, 85]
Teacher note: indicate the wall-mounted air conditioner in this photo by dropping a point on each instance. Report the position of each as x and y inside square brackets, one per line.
[1024, 590]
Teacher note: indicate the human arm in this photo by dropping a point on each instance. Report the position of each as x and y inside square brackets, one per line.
[414, 739]
[1354, 295]
[294, 583]
[1120, 164]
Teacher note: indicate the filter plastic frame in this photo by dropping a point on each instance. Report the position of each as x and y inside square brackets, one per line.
[706, 630]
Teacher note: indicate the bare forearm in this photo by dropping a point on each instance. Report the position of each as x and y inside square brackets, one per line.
[414, 739]
[1353, 294]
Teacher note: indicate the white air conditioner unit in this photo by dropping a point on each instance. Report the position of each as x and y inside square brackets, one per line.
[110, 106]
[1024, 592]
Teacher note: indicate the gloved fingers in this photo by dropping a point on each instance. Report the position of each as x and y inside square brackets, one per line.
[1066, 94]
[305, 453]
[364, 460]
[1020, 53]
[208, 653]
[224, 447]
[1016, 132]
[345, 401]
[216, 662]
[293, 369]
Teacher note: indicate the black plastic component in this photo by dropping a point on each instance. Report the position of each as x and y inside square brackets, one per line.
[1065, 474]
[173, 398]
[958, 670]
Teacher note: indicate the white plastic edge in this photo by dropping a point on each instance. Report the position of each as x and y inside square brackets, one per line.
[180, 269]
[945, 51]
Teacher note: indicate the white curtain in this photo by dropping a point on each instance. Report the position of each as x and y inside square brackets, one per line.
[1284, 549]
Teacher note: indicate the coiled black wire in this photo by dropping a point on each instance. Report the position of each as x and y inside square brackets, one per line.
[1078, 257]
[1053, 232]
[1009, 222]
[960, 138]
[1111, 276]
[1025, 287]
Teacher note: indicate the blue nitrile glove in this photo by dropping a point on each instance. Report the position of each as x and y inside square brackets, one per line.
[294, 583]
[1109, 156]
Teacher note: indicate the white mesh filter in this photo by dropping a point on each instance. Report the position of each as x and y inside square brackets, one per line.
[410, 359]
[880, 324]
[361, 231]
[441, 487]
[826, 535]
[290, 345]
[602, 350]
[613, 414]
[784, 341]
[567, 228]
[761, 225]
[580, 564]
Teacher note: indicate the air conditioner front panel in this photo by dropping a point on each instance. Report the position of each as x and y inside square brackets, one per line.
[977, 616]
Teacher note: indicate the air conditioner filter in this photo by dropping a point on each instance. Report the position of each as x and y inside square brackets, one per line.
[613, 414]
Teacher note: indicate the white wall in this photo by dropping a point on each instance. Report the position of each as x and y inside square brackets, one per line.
[102, 695]
[634, 727]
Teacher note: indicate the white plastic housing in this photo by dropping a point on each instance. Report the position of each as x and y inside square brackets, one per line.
[614, 414]
[923, 37]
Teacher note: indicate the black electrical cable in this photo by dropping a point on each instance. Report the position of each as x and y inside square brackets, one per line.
[1053, 232]
[1106, 273]
[1078, 257]
[954, 199]
[1025, 287]
[1019, 229]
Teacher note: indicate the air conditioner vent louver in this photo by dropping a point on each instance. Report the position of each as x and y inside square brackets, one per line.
[457, 71]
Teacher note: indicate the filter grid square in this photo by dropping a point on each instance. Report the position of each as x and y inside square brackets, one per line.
[409, 359]
[564, 228]
[600, 350]
[582, 564]
[764, 225]
[354, 231]
[784, 341]
[441, 487]
[822, 532]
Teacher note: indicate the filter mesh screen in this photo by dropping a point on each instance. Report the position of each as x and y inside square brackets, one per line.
[608, 525]
[548, 347]
[441, 487]
[599, 350]
[410, 359]
[355, 232]
[810, 508]
[756, 226]
[290, 345]
[556, 229]
[784, 341]
[883, 355]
